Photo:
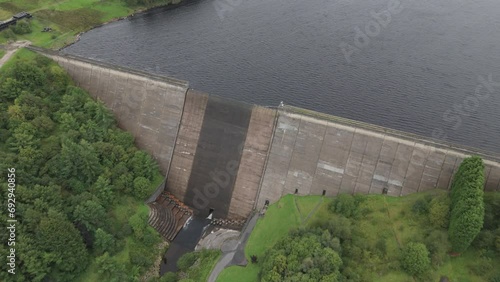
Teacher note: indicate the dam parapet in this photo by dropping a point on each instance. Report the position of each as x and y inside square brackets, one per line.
[224, 158]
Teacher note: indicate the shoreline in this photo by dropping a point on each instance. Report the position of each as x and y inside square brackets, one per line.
[133, 14]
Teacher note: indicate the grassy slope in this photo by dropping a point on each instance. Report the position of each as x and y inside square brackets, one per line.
[282, 216]
[387, 217]
[66, 17]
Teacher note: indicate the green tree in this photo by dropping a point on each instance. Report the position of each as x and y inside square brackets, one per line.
[139, 223]
[91, 214]
[415, 258]
[467, 205]
[110, 269]
[57, 236]
[143, 165]
[103, 190]
[10, 89]
[104, 242]
[141, 187]
[44, 124]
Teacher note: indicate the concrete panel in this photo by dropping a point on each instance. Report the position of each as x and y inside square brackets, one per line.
[446, 175]
[279, 158]
[274, 180]
[253, 159]
[399, 168]
[353, 165]
[388, 151]
[306, 153]
[348, 184]
[186, 143]
[95, 76]
[493, 180]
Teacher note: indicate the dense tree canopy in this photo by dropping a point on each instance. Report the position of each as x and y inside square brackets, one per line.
[74, 167]
[303, 256]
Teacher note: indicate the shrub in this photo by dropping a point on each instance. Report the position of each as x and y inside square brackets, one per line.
[439, 211]
[415, 258]
[186, 261]
[22, 27]
[345, 205]
[485, 240]
[421, 206]
[340, 227]
[438, 246]
[481, 266]
[169, 277]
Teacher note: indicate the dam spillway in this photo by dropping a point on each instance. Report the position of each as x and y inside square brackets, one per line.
[229, 158]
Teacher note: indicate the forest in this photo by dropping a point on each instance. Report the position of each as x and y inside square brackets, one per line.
[80, 182]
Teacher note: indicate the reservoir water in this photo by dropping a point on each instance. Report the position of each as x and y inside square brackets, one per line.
[417, 66]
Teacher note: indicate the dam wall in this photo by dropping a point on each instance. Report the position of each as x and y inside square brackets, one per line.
[148, 106]
[220, 155]
[318, 154]
[229, 158]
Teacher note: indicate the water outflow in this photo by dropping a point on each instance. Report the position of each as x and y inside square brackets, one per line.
[185, 242]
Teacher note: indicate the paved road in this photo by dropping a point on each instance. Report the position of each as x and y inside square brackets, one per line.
[11, 49]
[234, 254]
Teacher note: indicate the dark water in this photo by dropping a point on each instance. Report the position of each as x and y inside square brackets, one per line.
[418, 74]
[184, 242]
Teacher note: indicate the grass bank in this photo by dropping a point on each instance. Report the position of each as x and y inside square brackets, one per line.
[391, 219]
[67, 18]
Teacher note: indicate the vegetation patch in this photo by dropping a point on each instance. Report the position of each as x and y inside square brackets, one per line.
[81, 218]
[78, 19]
[67, 18]
[377, 238]
[193, 266]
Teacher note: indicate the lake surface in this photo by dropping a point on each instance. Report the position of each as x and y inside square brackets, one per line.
[417, 71]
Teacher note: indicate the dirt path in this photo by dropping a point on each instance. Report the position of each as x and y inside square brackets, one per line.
[11, 49]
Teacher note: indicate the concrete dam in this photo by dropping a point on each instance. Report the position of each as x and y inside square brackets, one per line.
[228, 158]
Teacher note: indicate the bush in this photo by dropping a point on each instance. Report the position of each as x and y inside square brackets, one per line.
[345, 205]
[421, 206]
[22, 27]
[481, 266]
[438, 246]
[9, 34]
[415, 258]
[169, 277]
[186, 261]
[439, 211]
[485, 240]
